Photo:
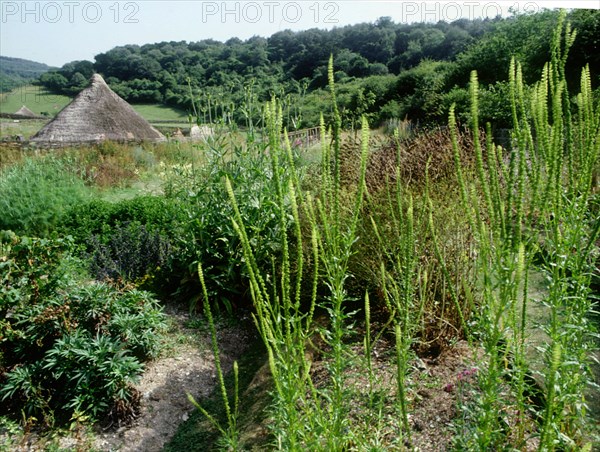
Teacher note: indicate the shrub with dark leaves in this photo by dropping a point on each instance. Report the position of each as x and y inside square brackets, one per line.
[131, 252]
[69, 347]
[132, 240]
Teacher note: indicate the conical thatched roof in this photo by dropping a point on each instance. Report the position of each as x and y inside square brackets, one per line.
[26, 113]
[97, 114]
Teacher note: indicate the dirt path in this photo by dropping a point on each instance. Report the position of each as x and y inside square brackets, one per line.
[167, 382]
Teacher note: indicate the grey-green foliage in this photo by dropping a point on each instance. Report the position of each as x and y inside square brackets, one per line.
[36, 193]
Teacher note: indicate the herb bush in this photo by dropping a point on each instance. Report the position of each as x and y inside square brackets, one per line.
[131, 241]
[98, 217]
[69, 348]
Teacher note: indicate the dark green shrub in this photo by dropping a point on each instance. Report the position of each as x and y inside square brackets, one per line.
[132, 240]
[84, 220]
[149, 210]
[132, 252]
[98, 217]
[69, 347]
[81, 374]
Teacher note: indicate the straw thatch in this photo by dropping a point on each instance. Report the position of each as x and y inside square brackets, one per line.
[97, 114]
[25, 112]
[178, 135]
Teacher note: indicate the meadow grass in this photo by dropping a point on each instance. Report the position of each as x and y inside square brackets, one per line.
[25, 128]
[159, 112]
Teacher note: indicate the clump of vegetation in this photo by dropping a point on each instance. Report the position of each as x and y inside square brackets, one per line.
[131, 241]
[509, 204]
[36, 193]
[535, 196]
[132, 253]
[70, 349]
[208, 236]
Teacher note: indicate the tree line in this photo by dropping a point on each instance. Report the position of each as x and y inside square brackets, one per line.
[385, 70]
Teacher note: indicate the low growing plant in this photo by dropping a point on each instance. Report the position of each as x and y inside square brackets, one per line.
[69, 347]
[131, 241]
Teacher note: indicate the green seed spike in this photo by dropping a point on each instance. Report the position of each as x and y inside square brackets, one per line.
[458, 164]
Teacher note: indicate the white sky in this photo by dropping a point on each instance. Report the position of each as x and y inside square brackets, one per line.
[56, 32]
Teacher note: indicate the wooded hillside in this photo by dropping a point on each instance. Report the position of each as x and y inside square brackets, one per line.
[384, 69]
[15, 72]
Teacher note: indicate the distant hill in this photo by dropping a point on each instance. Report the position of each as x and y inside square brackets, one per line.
[15, 72]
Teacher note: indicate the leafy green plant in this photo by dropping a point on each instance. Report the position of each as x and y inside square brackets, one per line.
[133, 240]
[94, 373]
[69, 347]
[304, 415]
[538, 196]
[209, 236]
[97, 217]
[230, 434]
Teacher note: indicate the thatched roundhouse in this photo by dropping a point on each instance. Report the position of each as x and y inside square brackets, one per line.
[26, 113]
[21, 113]
[97, 114]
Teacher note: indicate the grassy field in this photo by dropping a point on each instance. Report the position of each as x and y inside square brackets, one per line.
[158, 113]
[36, 98]
[26, 128]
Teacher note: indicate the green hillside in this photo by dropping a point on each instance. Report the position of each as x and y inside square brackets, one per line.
[15, 72]
[385, 70]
